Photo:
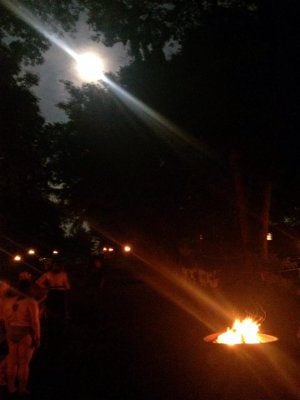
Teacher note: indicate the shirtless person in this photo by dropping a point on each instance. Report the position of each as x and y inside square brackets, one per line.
[4, 287]
[56, 283]
[22, 324]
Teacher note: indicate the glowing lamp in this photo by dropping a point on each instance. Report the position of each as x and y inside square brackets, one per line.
[55, 252]
[269, 236]
[127, 249]
[110, 249]
[31, 252]
[17, 258]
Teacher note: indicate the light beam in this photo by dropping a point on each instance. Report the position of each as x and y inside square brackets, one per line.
[93, 72]
[25, 15]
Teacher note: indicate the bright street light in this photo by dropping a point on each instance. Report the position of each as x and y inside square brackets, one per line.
[269, 236]
[31, 252]
[17, 258]
[127, 249]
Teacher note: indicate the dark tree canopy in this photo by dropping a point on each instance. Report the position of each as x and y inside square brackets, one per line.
[17, 21]
[230, 85]
[148, 25]
[27, 217]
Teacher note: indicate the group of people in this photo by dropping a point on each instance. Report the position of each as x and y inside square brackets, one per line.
[22, 307]
[201, 277]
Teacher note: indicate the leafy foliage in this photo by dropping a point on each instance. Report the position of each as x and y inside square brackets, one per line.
[230, 85]
[18, 24]
[226, 86]
[25, 212]
[148, 25]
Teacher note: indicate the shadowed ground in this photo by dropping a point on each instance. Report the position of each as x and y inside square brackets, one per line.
[128, 342]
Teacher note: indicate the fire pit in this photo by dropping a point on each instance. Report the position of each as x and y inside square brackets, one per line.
[240, 361]
[242, 332]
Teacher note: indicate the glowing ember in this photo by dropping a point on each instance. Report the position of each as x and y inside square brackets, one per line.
[245, 331]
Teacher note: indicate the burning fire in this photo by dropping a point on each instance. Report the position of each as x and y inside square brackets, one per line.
[242, 332]
[245, 331]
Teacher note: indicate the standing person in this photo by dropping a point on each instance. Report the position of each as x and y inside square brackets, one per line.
[4, 287]
[57, 284]
[98, 272]
[95, 285]
[25, 276]
[36, 291]
[22, 324]
[47, 264]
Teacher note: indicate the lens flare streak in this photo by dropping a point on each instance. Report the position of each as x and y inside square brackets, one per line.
[171, 132]
[140, 107]
[26, 16]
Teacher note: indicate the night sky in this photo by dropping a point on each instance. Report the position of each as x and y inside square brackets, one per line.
[59, 66]
[222, 92]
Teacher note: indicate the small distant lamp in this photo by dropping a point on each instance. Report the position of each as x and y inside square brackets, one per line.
[110, 249]
[17, 258]
[55, 252]
[31, 252]
[269, 236]
[127, 249]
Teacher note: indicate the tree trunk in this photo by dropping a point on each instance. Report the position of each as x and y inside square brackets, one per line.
[242, 208]
[263, 222]
[253, 210]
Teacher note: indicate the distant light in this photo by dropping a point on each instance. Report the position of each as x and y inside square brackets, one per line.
[105, 249]
[127, 249]
[89, 67]
[269, 236]
[17, 258]
[55, 252]
[31, 252]
[110, 249]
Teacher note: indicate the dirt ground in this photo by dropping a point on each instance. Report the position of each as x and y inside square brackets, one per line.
[127, 341]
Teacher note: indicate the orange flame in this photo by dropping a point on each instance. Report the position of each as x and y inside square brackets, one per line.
[245, 331]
